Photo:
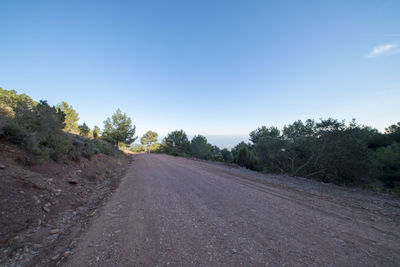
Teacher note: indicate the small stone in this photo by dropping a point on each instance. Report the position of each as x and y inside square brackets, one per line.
[36, 199]
[37, 246]
[48, 204]
[46, 209]
[55, 257]
[73, 181]
[67, 253]
[58, 192]
[234, 251]
[2, 166]
[54, 231]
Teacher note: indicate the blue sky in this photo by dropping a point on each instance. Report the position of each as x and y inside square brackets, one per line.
[208, 67]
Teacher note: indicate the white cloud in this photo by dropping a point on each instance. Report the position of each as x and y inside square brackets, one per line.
[383, 49]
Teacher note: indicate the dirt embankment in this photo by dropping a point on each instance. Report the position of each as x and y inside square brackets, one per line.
[41, 205]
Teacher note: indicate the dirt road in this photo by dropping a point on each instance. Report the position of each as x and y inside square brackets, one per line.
[172, 211]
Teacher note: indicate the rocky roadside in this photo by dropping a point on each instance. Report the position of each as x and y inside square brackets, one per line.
[51, 212]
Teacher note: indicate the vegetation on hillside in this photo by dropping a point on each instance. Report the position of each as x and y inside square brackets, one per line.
[50, 132]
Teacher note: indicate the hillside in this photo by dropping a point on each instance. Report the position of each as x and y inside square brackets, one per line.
[37, 199]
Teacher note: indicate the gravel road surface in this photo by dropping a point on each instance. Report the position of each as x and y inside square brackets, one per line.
[171, 211]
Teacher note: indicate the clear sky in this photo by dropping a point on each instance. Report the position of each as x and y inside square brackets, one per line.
[208, 67]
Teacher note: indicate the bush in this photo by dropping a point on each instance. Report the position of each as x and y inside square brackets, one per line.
[15, 133]
[104, 147]
[90, 149]
[60, 146]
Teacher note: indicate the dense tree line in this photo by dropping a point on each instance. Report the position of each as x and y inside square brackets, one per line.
[46, 131]
[327, 150]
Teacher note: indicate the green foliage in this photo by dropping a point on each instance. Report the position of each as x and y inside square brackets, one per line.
[243, 158]
[215, 154]
[176, 143]
[137, 148]
[226, 155]
[11, 102]
[119, 129]
[155, 147]
[104, 147]
[96, 132]
[148, 139]
[71, 117]
[328, 150]
[84, 130]
[38, 128]
[388, 162]
[58, 146]
[263, 131]
[251, 161]
[199, 147]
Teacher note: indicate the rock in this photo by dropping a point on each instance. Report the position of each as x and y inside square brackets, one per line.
[48, 204]
[67, 253]
[58, 192]
[2, 166]
[54, 231]
[234, 251]
[55, 257]
[36, 199]
[73, 181]
[46, 209]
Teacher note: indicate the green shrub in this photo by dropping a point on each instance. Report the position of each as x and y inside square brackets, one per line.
[90, 149]
[60, 146]
[104, 147]
[15, 133]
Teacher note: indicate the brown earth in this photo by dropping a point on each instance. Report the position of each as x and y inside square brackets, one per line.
[172, 211]
[36, 200]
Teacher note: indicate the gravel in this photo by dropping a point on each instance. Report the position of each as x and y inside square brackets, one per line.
[180, 212]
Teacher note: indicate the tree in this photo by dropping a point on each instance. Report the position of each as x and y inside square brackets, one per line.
[12, 103]
[84, 130]
[176, 143]
[226, 155]
[263, 131]
[71, 117]
[243, 156]
[96, 131]
[118, 128]
[199, 147]
[148, 139]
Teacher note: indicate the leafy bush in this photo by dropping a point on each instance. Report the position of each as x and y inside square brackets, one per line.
[60, 147]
